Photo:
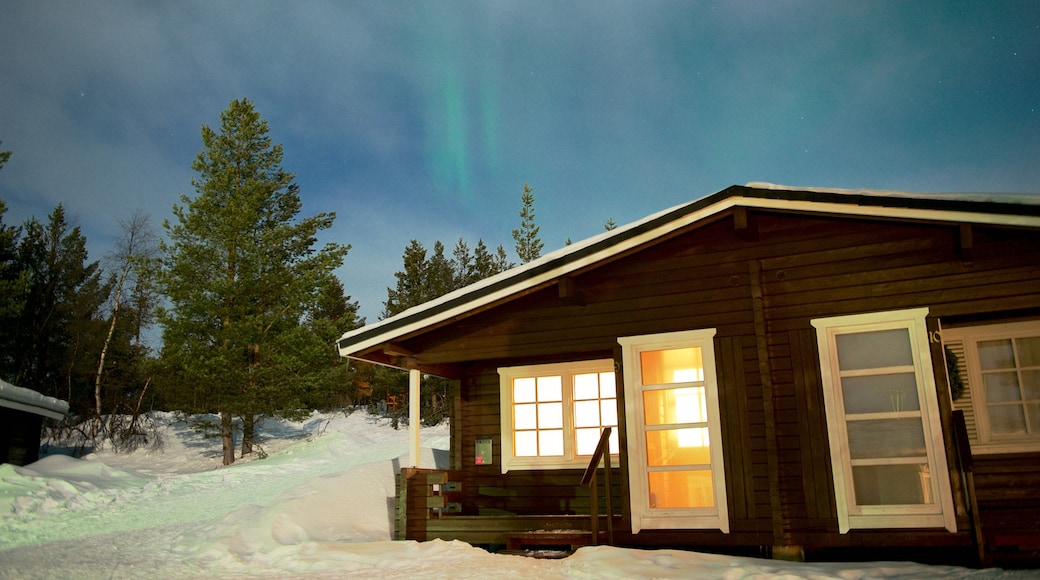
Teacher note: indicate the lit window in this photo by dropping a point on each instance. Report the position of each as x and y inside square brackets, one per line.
[883, 422]
[553, 414]
[676, 472]
[1002, 375]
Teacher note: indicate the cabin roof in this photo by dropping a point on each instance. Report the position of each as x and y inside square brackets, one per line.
[976, 208]
[30, 401]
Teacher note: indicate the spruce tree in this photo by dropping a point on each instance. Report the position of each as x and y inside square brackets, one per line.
[528, 244]
[239, 272]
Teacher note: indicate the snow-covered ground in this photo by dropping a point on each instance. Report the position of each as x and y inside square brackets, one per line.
[319, 506]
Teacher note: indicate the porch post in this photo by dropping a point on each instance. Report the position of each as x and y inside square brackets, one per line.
[413, 417]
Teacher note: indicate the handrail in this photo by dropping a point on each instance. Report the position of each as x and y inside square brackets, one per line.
[589, 480]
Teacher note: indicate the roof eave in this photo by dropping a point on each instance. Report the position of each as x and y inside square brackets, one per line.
[577, 256]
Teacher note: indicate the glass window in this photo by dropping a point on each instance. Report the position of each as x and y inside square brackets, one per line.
[883, 422]
[553, 414]
[1003, 378]
[676, 474]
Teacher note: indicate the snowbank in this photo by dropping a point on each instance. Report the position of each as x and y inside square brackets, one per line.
[319, 506]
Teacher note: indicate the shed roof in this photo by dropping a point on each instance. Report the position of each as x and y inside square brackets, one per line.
[30, 401]
[1021, 210]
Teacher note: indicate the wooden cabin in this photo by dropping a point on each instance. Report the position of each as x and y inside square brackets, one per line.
[825, 374]
[21, 419]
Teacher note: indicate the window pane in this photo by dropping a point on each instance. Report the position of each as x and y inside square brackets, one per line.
[996, 354]
[1007, 419]
[681, 489]
[1031, 385]
[524, 417]
[873, 350]
[678, 447]
[523, 390]
[880, 394]
[1029, 351]
[550, 443]
[886, 438]
[586, 440]
[1033, 413]
[608, 413]
[550, 415]
[526, 444]
[668, 406]
[892, 484]
[1001, 387]
[678, 365]
[586, 386]
[607, 385]
[586, 413]
[550, 389]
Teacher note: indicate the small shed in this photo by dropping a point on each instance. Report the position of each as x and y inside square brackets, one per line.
[788, 372]
[21, 419]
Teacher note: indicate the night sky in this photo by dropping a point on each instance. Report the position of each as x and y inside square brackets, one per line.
[422, 120]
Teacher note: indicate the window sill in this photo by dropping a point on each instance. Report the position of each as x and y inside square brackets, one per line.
[1002, 447]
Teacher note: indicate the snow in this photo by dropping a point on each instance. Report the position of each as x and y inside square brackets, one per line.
[1021, 198]
[29, 400]
[320, 505]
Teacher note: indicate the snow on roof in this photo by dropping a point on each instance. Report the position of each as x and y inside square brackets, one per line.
[1024, 198]
[30, 401]
[953, 207]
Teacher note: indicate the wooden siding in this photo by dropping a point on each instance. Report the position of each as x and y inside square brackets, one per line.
[1007, 488]
[777, 463]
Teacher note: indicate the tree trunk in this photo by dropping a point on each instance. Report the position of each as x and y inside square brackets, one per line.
[248, 423]
[227, 437]
[104, 347]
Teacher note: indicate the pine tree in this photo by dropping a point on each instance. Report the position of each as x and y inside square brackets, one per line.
[411, 282]
[486, 264]
[56, 331]
[528, 244]
[440, 274]
[464, 272]
[12, 281]
[239, 273]
[334, 382]
[610, 225]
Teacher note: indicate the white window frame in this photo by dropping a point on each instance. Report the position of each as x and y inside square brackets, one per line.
[570, 459]
[644, 516]
[938, 514]
[970, 336]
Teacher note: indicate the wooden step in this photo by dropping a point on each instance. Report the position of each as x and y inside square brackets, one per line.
[573, 538]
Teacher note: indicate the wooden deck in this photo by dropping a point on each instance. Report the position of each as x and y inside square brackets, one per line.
[429, 507]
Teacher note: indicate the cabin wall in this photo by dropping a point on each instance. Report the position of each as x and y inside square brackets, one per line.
[19, 436]
[520, 492]
[759, 286]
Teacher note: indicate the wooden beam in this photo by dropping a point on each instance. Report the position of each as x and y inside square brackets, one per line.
[966, 243]
[569, 292]
[744, 224]
[397, 350]
[414, 379]
[780, 537]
